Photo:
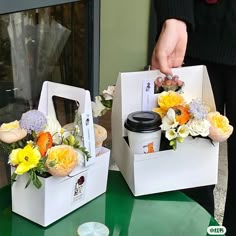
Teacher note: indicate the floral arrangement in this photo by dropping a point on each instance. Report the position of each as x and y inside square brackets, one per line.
[39, 146]
[103, 102]
[181, 119]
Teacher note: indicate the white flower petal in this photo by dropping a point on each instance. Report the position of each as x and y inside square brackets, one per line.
[109, 93]
[183, 131]
[169, 120]
[52, 126]
[171, 134]
[97, 107]
[199, 127]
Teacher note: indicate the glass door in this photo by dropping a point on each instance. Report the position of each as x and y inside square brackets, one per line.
[53, 40]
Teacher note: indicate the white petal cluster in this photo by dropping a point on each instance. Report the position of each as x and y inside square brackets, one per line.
[52, 126]
[169, 121]
[108, 94]
[171, 134]
[98, 107]
[183, 131]
[199, 127]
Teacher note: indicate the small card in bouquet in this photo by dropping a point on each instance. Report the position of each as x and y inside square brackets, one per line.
[148, 96]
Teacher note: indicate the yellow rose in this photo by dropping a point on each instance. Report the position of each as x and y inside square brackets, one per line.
[220, 128]
[61, 160]
[168, 100]
[11, 132]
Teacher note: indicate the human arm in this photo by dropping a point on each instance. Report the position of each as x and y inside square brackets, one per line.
[174, 19]
[171, 46]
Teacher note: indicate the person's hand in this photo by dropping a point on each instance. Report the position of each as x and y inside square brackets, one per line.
[170, 48]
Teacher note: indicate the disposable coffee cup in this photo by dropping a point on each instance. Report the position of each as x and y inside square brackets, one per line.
[144, 132]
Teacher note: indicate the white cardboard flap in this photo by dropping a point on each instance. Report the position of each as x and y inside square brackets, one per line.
[82, 96]
[51, 89]
[128, 96]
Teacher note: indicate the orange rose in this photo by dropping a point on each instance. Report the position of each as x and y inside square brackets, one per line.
[62, 159]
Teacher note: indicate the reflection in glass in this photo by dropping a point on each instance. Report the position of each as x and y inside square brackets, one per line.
[38, 45]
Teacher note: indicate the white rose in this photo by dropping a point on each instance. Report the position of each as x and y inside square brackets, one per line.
[199, 127]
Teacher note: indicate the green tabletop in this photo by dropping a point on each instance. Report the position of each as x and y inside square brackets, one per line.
[164, 214]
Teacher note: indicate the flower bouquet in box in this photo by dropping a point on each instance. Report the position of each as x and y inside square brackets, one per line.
[181, 119]
[38, 146]
[103, 102]
[54, 169]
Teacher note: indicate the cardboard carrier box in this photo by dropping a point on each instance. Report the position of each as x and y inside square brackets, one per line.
[59, 196]
[194, 163]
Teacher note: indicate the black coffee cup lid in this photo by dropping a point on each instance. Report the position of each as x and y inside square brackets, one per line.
[143, 121]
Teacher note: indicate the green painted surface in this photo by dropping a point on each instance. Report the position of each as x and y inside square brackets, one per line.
[123, 38]
[165, 214]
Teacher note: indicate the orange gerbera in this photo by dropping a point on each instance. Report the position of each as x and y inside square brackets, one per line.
[182, 114]
[44, 142]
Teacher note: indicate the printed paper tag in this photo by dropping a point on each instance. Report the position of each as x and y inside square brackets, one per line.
[88, 135]
[148, 96]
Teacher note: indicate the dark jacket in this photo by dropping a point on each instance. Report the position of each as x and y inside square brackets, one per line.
[211, 27]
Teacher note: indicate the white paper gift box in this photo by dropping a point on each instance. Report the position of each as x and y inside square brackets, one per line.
[194, 163]
[59, 196]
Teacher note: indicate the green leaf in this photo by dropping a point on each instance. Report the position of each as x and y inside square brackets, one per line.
[34, 179]
[37, 183]
[13, 177]
[30, 179]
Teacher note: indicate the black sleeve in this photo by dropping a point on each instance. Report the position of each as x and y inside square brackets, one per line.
[175, 9]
